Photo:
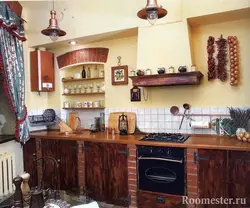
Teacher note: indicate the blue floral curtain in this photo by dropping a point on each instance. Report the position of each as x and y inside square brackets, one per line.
[12, 67]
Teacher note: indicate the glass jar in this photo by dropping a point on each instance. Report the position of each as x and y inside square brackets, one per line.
[132, 72]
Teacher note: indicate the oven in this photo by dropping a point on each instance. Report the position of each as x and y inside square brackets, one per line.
[161, 169]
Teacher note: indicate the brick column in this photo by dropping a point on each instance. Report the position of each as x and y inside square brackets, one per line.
[132, 175]
[81, 166]
[192, 176]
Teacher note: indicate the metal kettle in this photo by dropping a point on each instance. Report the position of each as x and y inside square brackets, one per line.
[37, 198]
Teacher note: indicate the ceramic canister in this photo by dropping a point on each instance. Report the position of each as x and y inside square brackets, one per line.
[97, 104]
[90, 104]
[85, 104]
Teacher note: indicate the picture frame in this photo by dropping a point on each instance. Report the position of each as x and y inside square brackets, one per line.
[119, 75]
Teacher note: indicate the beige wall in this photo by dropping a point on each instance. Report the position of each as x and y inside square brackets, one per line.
[168, 43]
[195, 8]
[217, 92]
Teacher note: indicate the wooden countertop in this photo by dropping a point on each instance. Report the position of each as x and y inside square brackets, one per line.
[194, 141]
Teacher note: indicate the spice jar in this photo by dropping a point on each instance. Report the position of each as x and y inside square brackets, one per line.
[148, 71]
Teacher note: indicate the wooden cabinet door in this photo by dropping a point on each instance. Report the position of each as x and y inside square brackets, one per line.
[68, 165]
[94, 171]
[50, 174]
[212, 174]
[42, 70]
[47, 70]
[28, 150]
[239, 177]
[116, 169]
[148, 199]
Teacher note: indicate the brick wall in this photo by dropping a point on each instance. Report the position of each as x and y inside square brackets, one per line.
[192, 175]
[81, 166]
[132, 178]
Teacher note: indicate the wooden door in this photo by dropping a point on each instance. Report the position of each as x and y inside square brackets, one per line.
[51, 178]
[68, 165]
[116, 169]
[28, 150]
[94, 171]
[212, 174]
[239, 177]
[148, 199]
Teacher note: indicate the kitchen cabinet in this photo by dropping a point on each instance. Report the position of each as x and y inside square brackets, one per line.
[224, 174]
[107, 173]
[29, 149]
[239, 172]
[212, 174]
[65, 152]
[42, 71]
[146, 199]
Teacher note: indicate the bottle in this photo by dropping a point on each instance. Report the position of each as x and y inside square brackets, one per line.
[83, 72]
[88, 73]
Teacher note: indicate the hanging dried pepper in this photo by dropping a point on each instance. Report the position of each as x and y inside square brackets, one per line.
[221, 70]
[211, 59]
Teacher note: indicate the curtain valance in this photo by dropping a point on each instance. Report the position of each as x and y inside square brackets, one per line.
[11, 22]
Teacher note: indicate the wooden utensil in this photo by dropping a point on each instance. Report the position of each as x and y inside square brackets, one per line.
[114, 121]
[73, 120]
[64, 127]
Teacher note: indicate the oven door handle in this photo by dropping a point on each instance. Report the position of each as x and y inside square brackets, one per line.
[162, 159]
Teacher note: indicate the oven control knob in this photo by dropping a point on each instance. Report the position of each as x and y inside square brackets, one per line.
[169, 152]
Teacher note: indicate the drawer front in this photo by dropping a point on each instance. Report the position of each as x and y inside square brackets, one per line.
[148, 199]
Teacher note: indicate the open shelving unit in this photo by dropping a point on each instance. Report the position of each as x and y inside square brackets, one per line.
[171, 79]
[84, 108]
[88, 93]
[81, 79]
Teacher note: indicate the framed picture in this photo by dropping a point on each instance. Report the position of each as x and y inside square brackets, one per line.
[119, 75]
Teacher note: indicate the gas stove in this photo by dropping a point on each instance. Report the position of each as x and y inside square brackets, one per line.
[165, 137]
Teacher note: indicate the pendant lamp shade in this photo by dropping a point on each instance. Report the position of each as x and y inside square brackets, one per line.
[53, 29]
[152, 12]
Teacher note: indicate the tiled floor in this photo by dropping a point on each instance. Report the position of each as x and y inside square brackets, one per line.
[77, 200]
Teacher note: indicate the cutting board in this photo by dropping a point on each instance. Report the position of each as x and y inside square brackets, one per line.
[114, 121]
[73, 120]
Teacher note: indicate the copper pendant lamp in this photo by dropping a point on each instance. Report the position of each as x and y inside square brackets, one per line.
[53, 31]
[152, 12]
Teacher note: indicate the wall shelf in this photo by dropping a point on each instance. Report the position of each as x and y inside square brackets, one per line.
[172, 79]
[82, 79]
[83, 108]
[89, 93]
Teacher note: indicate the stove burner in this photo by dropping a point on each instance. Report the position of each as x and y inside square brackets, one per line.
[165, 137]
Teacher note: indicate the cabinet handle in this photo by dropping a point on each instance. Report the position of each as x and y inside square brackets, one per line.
[34, 157]
[160, 199]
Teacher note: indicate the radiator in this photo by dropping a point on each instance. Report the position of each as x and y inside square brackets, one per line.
[7, 173]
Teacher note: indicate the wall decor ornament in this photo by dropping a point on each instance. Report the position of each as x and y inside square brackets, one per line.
[119, 74]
